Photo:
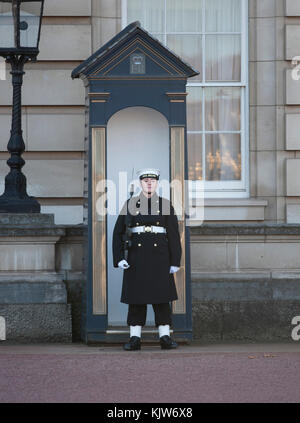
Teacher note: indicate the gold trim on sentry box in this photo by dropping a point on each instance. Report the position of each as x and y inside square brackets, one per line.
[177, 198]
[99, 94]
[129, 54]
[125, 78]
[176, 94]
[177, 70]
[99, 97]
[98, 221]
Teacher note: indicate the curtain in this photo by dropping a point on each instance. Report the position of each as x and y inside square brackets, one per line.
[195, 170]
[223, 157]
[223, 58]
[184, 15]
[151, 14]
[222, 108]
[189, 48]
[223, 15]
[205, 34]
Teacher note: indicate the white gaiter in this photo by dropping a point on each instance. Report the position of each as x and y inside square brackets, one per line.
[164, 330]
[135, 331]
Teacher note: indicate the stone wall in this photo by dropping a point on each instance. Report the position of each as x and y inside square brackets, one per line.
[53, 111]
[70, 265]
[236, 296]
[245, 281]
[245, 278]
[54, 104]
[33, 295]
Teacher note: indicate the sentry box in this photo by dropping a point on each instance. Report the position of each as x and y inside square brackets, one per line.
[136, 117]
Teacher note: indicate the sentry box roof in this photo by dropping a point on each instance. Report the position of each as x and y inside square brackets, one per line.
[134, 53]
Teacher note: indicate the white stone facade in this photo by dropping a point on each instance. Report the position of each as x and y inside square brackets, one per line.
[53, 110]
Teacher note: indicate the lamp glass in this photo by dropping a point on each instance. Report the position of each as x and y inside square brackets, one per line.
[30, 15]
[20, 22]
[7, 39]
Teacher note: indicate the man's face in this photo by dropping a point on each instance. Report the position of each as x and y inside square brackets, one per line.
[148, 185]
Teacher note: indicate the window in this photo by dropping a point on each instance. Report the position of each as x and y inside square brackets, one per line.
[211, 35]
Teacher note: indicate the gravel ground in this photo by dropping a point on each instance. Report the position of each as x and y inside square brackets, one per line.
[77, 373]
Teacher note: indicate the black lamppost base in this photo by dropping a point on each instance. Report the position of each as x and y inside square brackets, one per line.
[15, 198]
[19, 205]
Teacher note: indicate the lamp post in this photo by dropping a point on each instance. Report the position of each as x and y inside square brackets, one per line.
[20, 26]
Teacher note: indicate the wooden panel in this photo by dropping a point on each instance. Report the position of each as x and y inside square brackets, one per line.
[98, 221]
[178, 201]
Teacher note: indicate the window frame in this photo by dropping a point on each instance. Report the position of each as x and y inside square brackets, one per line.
[221, 189]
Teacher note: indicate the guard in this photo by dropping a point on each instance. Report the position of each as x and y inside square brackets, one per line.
[154, 256]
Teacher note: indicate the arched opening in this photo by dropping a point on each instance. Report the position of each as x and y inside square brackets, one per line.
[137, 137]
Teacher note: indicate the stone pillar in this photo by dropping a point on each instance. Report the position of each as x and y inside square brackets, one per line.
[106, 21]
[266, 94]
[292, 115]
[33, 296]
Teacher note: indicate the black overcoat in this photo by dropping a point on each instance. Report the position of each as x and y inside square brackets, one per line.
[148, 279]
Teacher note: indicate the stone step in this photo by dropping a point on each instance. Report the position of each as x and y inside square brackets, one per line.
[30, 276]
[32, 293]
[27, 219]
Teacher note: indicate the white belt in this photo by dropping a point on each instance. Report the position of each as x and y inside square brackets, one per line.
[148, 228]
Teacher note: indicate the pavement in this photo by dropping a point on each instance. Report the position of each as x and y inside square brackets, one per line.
[196, 373]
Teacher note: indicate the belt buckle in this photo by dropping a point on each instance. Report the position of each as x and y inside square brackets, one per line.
[148, 229]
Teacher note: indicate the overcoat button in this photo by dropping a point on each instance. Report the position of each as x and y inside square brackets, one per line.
[155, 245]
[139, 245]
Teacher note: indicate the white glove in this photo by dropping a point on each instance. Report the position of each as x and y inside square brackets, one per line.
[174, 269]
[123, 264]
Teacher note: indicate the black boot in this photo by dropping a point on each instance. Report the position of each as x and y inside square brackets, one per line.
[167, 343]
[133, 344]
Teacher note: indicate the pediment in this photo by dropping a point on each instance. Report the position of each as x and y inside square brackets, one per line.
[133, 54]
